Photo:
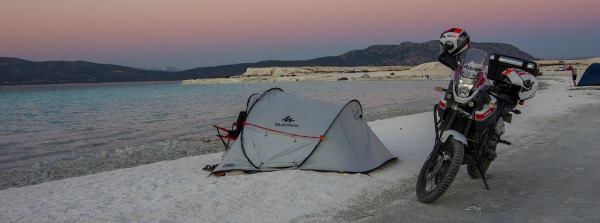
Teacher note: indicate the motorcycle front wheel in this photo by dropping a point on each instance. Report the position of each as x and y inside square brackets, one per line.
[439, 170]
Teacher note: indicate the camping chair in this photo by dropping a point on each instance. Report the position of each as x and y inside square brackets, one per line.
[234, 132]
[231, 135]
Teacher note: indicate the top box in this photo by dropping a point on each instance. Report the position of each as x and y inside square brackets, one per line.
[499, 63]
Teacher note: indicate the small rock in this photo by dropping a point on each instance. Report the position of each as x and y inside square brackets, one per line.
[476, 207]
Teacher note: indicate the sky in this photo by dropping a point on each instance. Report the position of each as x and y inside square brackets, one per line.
[197, 33]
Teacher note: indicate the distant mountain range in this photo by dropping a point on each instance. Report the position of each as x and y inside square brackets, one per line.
[14, 71]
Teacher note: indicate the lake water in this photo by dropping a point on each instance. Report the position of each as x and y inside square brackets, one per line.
[62, 121]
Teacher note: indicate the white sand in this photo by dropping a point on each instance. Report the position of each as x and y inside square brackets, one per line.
[180, 191]
[433, 70]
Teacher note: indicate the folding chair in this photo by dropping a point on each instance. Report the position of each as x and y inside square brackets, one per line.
[234, 132]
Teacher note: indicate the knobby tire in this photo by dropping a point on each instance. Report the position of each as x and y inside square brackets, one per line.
[443, 177]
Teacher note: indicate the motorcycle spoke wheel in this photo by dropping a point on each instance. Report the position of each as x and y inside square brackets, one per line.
[439, 170]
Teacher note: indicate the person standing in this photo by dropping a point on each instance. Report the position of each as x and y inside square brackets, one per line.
[573, 74]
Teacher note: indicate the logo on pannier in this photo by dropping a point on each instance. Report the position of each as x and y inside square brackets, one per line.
[287, 122]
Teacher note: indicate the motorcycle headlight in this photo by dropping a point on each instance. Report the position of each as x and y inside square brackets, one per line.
[463, 89]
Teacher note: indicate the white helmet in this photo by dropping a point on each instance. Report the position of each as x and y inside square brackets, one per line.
[523, 79]
[455, 41]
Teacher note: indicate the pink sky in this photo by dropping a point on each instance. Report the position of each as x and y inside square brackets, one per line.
[194, 33]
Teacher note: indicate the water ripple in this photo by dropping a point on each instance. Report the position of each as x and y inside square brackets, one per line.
[65, 121]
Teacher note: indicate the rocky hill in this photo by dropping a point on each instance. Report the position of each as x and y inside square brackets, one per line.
[17, 71]
[404, 54]
[413, 54]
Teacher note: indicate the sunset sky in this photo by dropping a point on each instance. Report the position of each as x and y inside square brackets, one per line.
[195, 33]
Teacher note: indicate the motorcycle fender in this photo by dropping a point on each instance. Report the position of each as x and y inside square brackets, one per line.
[457, 135]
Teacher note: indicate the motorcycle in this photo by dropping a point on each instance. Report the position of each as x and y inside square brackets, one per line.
[469, 119]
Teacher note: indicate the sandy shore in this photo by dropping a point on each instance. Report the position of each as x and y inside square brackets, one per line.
[131, 156]
[180, 191]
[52, 170]
[432, 71]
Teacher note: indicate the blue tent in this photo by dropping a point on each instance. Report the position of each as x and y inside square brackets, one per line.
[591, 76]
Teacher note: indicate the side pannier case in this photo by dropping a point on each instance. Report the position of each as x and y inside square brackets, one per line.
[514, 71]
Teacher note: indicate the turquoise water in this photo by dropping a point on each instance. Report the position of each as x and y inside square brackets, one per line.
[65, 121]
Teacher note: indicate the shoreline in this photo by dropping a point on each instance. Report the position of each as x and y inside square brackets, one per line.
[181, 191]
[132, 156]
[427, 71]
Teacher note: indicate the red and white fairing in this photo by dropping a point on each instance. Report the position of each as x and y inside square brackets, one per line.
[480, 115]
[481, 81]
[487, 110]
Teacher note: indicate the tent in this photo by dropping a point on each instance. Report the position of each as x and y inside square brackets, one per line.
[285, 131]
[591, 76]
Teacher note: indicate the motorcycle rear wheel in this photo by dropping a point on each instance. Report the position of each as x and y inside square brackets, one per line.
[439, 170]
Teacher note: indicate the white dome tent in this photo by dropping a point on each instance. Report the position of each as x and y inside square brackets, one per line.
[285, 131]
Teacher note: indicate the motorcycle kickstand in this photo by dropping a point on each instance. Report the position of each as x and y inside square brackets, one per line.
[482, 174]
